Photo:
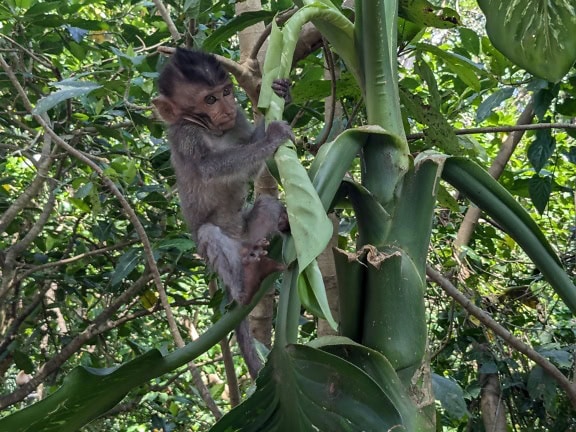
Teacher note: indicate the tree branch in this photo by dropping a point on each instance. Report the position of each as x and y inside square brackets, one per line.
[138, 227]
[163, 11]
[500, 331]
[497, 129]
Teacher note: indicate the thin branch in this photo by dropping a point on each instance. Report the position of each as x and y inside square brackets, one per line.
[496, 129]
[138, 227]
[498, 164]
[74, 259]
[231, 379]
[500, 331]
[45, 162]
[281, 19]
[100, 324]
[166, 17]
[199, 383]
[16, 249]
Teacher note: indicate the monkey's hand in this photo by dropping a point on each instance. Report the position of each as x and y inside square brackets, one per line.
[281, 87]
[256, 266]
[279, 132]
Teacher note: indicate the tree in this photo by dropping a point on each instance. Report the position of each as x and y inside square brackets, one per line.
[374, 378]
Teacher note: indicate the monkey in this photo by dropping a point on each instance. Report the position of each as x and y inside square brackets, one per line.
[215, 153]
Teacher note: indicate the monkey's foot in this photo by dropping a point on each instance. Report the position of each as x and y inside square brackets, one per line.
[283, 223]
[256, 266]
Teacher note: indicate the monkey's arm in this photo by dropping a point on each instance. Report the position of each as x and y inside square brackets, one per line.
[240, 161]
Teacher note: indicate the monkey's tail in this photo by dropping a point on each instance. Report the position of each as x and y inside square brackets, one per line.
[247, 348]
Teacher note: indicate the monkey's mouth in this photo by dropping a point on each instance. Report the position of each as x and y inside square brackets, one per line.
[227, 123]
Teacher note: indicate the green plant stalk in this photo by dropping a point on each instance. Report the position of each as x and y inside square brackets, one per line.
[288, 315]
[351, 275]
[339, 31]
[383, 165]
[497, 202]
[375, 33]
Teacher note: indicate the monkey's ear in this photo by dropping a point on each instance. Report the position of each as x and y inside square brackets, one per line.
[166, 108]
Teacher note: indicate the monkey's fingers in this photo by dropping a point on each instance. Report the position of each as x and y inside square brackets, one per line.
[282, 89]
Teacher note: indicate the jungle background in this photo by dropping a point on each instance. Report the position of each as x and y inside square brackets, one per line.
[77, 288]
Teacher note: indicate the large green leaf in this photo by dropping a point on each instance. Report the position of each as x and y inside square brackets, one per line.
[537, 35]
[85, 394]
[492, 198]
[394, 313]
[68, 89]
[381, 371]
[305, 389]
[310, 227]
[232, 27]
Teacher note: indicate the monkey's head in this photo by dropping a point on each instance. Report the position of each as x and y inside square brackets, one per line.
[195, 87]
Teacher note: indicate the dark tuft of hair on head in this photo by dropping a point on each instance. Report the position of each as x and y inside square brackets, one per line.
[193, 67]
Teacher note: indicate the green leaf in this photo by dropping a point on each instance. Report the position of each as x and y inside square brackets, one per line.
[424, 13]
[493, 101]
[305, 389]
[126, 264]
[85, 394]
[439, 134]
[373, 219]
[394, 313]
[380, 370]
[68, 89]
[540, 189]
[84, 190]
[350, 272]
[541, 149]
[464, 68]
[309, 226]
[450, 395]
[313, 294]
[42, 8]
[181, 244]
[23, 361]
[232, 27]
[536, 35]
[333, 161]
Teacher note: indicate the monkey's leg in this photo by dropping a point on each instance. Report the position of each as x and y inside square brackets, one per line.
[224, 256]
[267, 216]
[257, 266]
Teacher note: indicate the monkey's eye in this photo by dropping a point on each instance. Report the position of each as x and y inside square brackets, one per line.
[210, 100]
[227, 90]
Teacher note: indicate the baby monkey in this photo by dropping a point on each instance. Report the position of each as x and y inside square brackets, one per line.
[216, 152]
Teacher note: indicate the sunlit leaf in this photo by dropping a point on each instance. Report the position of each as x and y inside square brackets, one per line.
[67, 90]
[536, 35]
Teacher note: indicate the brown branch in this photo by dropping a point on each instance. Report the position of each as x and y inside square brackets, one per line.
[500, 331]
[16, 249]
[497, 129]
[499, 163]
[163, 11]
[100, 324]
[199, 383]
[73, 259]
[44, 165]
[138, 227]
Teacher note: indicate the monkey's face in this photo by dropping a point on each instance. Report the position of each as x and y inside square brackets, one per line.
[213, 108]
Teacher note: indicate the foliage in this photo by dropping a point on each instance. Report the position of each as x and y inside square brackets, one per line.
[76, 281]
